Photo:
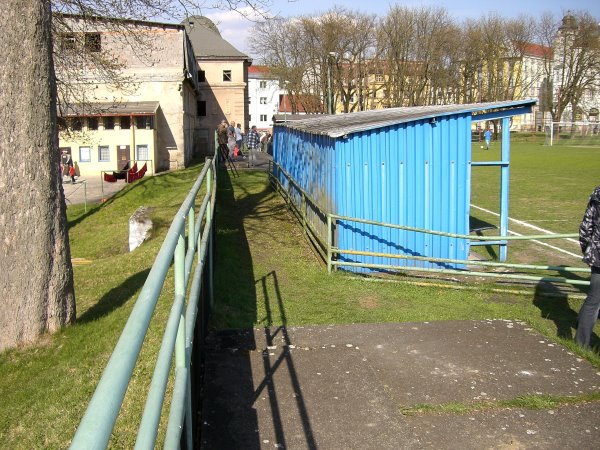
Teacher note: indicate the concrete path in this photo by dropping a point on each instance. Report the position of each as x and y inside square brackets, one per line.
[90, 190]
[346, 387]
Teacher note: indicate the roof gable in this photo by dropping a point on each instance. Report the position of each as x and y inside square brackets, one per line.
[207, 41]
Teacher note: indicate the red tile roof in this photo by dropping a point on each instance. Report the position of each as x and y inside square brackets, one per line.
[258, 69]
[540, 51]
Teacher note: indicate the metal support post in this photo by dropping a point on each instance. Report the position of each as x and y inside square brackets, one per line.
[504, 182]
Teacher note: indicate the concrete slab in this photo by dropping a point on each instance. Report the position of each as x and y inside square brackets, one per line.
[345, 386]
[459, 361]
[573, 426]
[90, 190]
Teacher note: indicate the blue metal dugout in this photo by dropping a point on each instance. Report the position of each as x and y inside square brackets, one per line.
[404, 166]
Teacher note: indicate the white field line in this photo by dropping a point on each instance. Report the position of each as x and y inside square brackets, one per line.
[525, 224]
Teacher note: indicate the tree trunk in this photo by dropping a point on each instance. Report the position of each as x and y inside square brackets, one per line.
[36, 287]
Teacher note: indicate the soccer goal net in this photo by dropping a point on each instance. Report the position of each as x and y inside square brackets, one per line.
[573, 134]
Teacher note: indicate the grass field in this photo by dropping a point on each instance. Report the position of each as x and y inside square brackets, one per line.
[549, 188]
[267, 275]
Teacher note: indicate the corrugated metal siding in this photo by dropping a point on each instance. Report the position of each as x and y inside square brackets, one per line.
[308, 159]
[414, 174]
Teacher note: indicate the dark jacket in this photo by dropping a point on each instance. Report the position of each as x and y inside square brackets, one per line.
[222, 134]
[589, 230]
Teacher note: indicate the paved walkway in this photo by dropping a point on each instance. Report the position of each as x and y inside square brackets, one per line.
[90, 190]
[346, 387]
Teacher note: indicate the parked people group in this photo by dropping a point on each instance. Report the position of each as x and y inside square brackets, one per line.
[233, 142]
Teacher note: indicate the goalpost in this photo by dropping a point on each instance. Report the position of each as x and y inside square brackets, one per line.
[573, 133]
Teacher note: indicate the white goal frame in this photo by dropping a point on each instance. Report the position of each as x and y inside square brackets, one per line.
[588, 126]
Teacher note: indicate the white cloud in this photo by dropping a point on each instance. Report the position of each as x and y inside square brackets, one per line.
[235, 26]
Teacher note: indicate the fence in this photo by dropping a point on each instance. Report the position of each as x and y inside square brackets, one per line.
[303, 205]
[95, 428]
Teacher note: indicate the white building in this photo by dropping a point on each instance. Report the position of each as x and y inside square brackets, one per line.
[263, 97]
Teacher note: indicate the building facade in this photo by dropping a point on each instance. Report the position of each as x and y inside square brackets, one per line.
[222, 80]
[132, 94]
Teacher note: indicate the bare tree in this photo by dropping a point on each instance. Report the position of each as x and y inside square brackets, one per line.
[575, 75]
[416, 50]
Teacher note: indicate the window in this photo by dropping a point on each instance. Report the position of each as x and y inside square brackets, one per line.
[91, 42]
[125, 123]
[103, 153]
[227, 75]
[144, 122]
[141, 152]
[109, 123]
[201, 76]
[92, 123]
[67, 41]
[201, 108]
[61, 122]
[76, 124]
[263, 100]
[262, 84]
[85, 154]
[263, 117]
[379, 77]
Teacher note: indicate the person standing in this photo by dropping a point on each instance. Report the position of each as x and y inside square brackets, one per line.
[222, 140]
[488, 137]
[72, 173]
[589, 239]
[253, 144]
[239, 137]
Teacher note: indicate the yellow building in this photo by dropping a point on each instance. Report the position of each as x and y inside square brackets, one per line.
[133, 97]
[222, 80]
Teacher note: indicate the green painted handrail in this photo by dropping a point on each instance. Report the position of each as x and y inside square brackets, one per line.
[97, 424]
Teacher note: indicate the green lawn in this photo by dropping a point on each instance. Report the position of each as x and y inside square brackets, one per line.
[549, 188]
[266, 274]
[45, 389]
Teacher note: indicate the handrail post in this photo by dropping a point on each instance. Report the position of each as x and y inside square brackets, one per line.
[209, 192]
[329, 241]
[304, 212]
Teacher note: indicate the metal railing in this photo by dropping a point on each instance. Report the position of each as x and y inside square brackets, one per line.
[330, 253]
[95, 428]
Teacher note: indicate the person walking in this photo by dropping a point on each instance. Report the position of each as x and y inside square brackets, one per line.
[253, 142]
[488, 137]
[589, 239]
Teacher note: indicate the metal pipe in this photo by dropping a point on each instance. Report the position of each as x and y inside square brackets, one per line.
[456, 235]
[465, 262]
[95, 428]
[504, 185]
[465, 273]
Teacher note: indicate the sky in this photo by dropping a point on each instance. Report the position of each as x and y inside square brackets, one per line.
[235, 28]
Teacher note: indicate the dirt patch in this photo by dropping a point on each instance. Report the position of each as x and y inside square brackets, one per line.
[368, 302]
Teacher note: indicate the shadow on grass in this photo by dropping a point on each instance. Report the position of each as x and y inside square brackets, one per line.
[115, 298]
[554, 305]
[478, 226]
[229, 414]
